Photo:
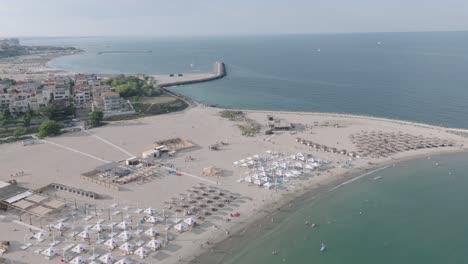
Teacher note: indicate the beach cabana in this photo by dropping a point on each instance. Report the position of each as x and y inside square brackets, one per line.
[111, 243]
[79, 249]
[181, 227]
[125, 235]
[50, 252]
[127, 247]
[142, 252]
[151, 232]
[78, 260]
[149, 211]
[154, 244]
[107, 258]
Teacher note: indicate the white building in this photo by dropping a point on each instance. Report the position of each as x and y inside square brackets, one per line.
[56, 94]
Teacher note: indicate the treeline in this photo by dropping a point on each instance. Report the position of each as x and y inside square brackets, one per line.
[128, 86]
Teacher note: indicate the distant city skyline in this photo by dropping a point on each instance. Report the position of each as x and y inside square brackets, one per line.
[242, 17]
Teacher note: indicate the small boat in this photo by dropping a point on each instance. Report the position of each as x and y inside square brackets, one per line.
[313, 225]
[323, 247]
[378, 178]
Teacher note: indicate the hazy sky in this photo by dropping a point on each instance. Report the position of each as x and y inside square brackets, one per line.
[208, 17]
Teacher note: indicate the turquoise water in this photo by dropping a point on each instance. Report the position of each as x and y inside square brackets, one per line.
[412, 76]
[415, 214]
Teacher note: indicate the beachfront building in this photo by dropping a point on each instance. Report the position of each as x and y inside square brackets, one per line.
[112, 104]
[52, 94]
[19, 107]
[5, 100]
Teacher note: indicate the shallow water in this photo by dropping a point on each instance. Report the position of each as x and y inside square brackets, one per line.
[414, 214]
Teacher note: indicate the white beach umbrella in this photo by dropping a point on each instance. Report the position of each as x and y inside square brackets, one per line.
[125, 235]
[242, 161]
[78, 260]
[268, 151]
[149, 211]
[151, 232]
[97, 227]
[181, 227]
[50, 252]
[84, 234]
[293, 157]
[142, 252]
[123, 225]
[111, 243]
[284, 166]
[279, 173]
[40, 236]
[127, 247]
[107, 258]
[251, 162]
[310, 167]
[152, 220]
[256, 176]
[248, 179]
[289, 174]
[268, 185]
[236, 163]
[244, 165]
[154, 244]
[298, 165]
[190, 221]
[124, 261]
[78, 248]
[256, 156]
[59, 226]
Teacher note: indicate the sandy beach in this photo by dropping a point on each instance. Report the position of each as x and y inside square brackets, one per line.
[63, 159]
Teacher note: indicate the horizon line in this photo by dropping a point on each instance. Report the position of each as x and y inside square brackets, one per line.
[231, 35]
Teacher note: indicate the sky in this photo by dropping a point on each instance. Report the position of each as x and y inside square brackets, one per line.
[224, 17]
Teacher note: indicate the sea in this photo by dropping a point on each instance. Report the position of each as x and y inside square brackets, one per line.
[414, 213]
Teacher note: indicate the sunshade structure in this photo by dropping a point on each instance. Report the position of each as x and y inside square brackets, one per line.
[190, 221]
[142, 252]
[211, 171]
[50, 252]
[111, 243]
[123, 225]
[107, 258]
[154, 244]
[125, 235]
[127, 247]
[78, 260]
[80, 248]
[84, 234]
[181, 227]
[151, 232]
[149, 211]
[124, 261]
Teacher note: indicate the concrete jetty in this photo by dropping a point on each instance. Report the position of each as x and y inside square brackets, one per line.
[168, 80]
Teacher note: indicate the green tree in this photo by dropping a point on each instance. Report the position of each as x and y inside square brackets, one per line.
[95, 117]
[49, 128]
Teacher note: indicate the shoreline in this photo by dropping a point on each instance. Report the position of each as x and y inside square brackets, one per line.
[291, 202]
